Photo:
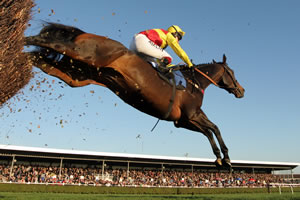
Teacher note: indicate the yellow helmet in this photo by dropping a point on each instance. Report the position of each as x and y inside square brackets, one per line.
[176, 29]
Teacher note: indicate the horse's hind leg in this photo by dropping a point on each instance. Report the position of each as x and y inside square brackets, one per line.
[65, 76]
[56, 45]
[89, 48]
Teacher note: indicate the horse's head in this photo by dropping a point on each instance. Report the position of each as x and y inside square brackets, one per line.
[229, 82]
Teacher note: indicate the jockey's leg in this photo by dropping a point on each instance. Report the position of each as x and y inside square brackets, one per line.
[141, 44]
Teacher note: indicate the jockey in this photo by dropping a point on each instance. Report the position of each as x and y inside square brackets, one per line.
[152, 43]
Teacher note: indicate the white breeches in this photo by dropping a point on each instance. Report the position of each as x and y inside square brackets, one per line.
[141, 44]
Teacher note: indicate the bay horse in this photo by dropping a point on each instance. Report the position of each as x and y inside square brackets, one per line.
[79, 59]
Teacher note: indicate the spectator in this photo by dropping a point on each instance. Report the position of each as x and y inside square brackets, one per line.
[120, 177]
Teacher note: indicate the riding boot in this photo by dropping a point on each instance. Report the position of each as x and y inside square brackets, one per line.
[168, 73]
[162, 67]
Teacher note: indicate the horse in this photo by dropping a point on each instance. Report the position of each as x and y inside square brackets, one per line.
[79, 59]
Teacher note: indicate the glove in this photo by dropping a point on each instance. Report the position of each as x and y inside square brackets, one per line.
[190, 64]
[192, 70]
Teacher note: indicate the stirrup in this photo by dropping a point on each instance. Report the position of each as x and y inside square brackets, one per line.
[173, 67]
[170, 65]
[163, 69]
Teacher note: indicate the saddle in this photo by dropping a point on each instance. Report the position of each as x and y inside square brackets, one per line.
[171, 75]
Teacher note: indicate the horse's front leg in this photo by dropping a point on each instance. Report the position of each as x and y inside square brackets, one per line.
[195, 123]
[200, 123]
[204, 121]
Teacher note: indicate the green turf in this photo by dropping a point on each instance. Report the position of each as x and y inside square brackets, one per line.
[61, 196]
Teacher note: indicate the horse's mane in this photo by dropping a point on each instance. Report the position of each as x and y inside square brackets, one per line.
[205, 64]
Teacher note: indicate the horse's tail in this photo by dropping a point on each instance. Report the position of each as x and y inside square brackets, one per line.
[55, 31]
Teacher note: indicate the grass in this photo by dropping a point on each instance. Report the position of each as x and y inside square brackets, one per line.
[51, 192]
[63, 196]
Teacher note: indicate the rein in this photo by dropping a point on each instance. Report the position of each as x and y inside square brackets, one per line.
[203, 74]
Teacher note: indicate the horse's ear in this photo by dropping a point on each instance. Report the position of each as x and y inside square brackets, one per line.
[224, 58]
[214, 62]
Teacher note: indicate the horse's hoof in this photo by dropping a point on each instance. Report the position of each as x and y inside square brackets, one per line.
[218, 162]
[226, 162]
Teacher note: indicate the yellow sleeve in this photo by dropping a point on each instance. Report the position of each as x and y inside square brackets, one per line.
[172, 42]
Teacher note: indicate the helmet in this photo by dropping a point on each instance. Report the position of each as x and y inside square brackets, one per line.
[176, 29]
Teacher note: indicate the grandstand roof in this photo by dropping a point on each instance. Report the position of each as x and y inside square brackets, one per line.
[23, 151]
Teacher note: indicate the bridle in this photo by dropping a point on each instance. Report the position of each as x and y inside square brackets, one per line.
[235, 88]
[226, 69]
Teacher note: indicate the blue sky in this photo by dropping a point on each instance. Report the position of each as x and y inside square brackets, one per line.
[262, 45]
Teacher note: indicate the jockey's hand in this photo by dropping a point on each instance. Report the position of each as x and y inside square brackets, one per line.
[191, 64]
[192, 69]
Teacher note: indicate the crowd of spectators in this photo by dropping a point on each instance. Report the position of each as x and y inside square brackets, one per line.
[132, 177]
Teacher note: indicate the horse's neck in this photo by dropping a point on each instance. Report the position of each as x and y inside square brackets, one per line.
[211, 70]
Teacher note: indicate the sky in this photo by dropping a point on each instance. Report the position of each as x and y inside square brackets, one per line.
[262, 44]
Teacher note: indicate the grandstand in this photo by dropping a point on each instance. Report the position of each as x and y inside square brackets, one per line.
[20, 164]
[67, 158]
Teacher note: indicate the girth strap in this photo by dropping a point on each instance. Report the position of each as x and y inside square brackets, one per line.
[171, 100]
[172, 97]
